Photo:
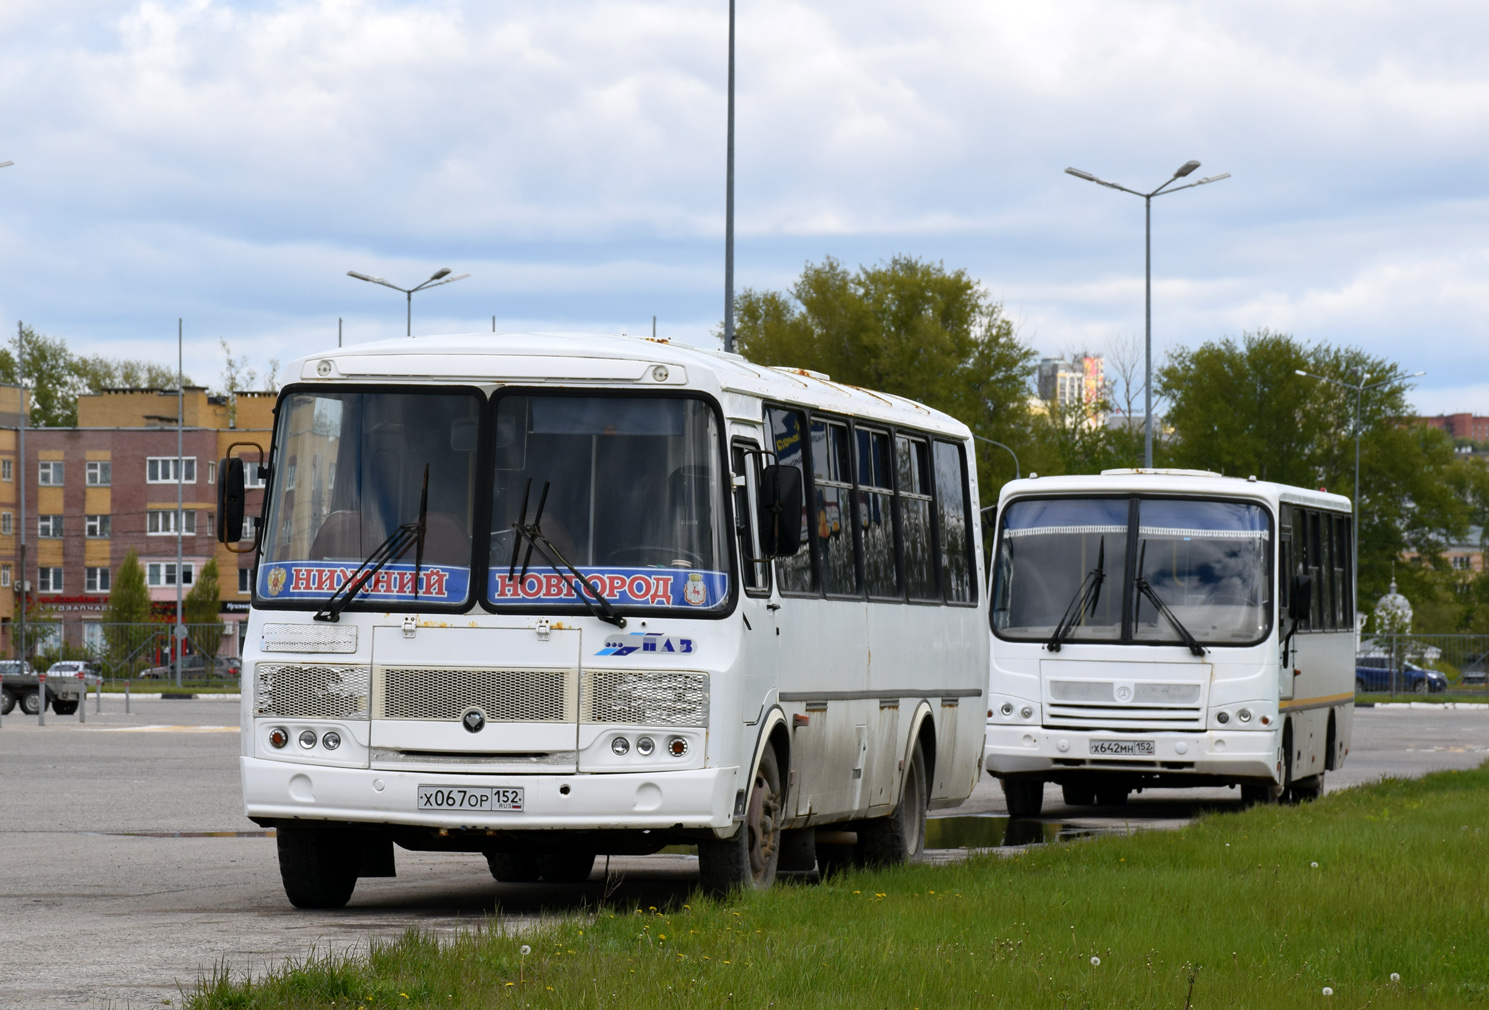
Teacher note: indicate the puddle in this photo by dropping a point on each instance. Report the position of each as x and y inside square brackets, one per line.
[989, 831]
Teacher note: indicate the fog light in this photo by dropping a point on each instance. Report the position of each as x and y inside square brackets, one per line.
[278, 737]
[620, 746]
[307, 739]
[1222, 717]
[1244, 715]
[1007, 708]
[1026, 712]
[331, 740]
[644, 746]
[677, 746]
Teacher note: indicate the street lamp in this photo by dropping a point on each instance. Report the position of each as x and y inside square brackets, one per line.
[1360, 389]
[1183, 170]
[440, 276]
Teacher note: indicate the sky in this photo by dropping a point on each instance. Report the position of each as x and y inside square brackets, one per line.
[226, 163]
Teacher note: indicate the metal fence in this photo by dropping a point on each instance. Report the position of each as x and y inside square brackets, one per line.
[208, 653]
[1462, 659]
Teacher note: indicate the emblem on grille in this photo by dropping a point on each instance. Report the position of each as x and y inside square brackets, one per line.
[1124, 693]
[473, 720]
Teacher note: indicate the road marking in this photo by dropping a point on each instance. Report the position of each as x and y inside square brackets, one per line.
[162, 728]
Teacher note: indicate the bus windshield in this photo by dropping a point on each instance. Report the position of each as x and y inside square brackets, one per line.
[349, 470]
[1207, 561]
[632, 496]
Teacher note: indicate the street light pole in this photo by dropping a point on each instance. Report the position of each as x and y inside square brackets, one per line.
[1360, 389]
[1182, 171]
[440, 276]
[729, 203]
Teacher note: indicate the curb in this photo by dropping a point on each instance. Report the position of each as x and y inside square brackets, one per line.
[175, 696]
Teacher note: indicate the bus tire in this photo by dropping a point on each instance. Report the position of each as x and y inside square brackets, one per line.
[64, 706]
[7, 701]
[317, 866]
[1078, 794]
[900, 837]
[566, 867]
[31, 703]
[513, 867]
[1259, 793]
[1309, 789]
[1112, 795]
[747, 860]
[1025, 797]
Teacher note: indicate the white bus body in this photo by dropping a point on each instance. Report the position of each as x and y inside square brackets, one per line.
[742, 704]
[1104, 695]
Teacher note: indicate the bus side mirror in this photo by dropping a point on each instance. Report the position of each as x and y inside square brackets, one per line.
[780, 507]
[1302, 596]
[230, 493]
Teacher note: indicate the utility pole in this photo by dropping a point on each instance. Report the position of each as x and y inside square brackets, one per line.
[729, 204]
[21, 480]
[180, 475]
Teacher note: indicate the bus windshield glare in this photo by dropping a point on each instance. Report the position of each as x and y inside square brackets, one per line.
[1077, 561]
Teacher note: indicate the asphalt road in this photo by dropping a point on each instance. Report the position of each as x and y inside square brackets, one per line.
[129, 868]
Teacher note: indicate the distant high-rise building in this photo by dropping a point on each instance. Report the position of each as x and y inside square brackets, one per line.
[1076, 381]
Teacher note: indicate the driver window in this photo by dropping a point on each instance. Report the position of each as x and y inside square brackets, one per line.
[746, 467]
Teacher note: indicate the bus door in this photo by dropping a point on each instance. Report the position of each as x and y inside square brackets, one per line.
[760, 652]
[1286, 568]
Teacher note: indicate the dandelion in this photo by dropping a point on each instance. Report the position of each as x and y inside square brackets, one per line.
[1314, 865]
[1395, 976]
[1095, 961]
[525, 950]
[1328, 991]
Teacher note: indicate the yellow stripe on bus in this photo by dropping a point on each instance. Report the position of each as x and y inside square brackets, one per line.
[1327, 699]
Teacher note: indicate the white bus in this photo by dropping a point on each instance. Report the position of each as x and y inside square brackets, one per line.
[1169, 628]
[550, 597]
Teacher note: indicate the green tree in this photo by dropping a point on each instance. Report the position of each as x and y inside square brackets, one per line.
[126, 630]
[201, 609]
[57, 377]
[907, 327]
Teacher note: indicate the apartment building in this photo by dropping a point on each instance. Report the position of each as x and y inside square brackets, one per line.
[95, 491]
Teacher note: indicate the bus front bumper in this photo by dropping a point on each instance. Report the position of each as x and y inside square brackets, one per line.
[701, 798]
[1031, 750]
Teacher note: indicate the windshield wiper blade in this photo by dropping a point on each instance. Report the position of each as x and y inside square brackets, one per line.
[384, 554]
[1086, 596]
[423, 528]
[577, 581]
[1141, 583]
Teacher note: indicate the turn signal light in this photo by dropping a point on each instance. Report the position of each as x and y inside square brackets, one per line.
[278, 737]
[677, 746]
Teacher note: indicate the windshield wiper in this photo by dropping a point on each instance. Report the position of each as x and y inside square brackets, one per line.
[390, 550]
[1141, 583]
[1086, 596]
[532, 532]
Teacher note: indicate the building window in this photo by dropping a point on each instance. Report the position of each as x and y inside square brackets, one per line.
[211, 473]
[245, 580]
[96, 580]
[7, 523]
[49, 473]
[162, 470]
[49, 526]
[7, 469]
[4, 576]
[163, 573]
[99, 527]
[49, 580]
[1461, 562]
[162, 522]
[99, 474]
[253, 474]
[93, 636]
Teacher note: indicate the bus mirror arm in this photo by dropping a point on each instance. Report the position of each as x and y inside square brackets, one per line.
[780, 506]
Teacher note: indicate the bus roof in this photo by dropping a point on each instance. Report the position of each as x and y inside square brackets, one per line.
[571, 359]
[1182, 482]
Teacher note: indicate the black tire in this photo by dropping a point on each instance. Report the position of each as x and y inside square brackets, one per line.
[63, 706]
[1025, 797]
[7, 701]
[513, 867]
[1078, 794]
[1111, 795]
[1420, 687]
[900, 837]
[748, 859]
[1309, 789]
[833, 859]
[566, 867]
[31, 703]
[1259, 793]
[1360, 687]
[318, 865]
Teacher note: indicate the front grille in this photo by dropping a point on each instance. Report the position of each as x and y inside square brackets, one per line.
[311, 691]
[644, 698]
[447, 694]
[1105, 704]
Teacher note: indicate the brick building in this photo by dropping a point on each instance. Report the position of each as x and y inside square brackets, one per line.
[1473, 427]
[95, 491]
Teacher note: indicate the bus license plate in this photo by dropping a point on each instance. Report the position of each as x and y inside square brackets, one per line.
[1123, 748]
[482, 798]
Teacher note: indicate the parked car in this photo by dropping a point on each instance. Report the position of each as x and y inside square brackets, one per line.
[196, 668]
[73, 667]
[1412, 679]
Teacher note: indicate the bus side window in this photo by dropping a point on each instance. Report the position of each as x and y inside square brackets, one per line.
[1316, 569]
[913, 497]
[876, 513]
[831, 503]
[1326, 571]
[754, 575]
[1342, 578]
[954, 524]
[786, 432]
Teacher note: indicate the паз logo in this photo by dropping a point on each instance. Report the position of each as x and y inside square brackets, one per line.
[644, 641]
[473, 721]
[275, 581]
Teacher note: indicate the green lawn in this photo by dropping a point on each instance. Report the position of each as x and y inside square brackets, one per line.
[1259, 909]
[1474, 697]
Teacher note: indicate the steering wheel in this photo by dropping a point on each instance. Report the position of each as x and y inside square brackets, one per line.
[667, 555]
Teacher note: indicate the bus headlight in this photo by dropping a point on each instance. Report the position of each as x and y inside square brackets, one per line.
[1026, 712]
[307, 739]
[1222, 717]
[1007, 708]
[1244, 715]
[620, 746]
[645, 745]
[331, 740]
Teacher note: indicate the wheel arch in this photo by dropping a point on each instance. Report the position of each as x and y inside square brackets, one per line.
[922, 731]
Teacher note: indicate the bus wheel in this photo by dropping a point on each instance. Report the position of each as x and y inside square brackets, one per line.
[1111, 795]
[64, 707]
[1025, 797]
[317, 866]
[7, 701]
[900, 837]
[1309, 789]
[31, 702]
[748, 859]
[566, 867]
[513, 867]
[1254, 793]
[1078, 794]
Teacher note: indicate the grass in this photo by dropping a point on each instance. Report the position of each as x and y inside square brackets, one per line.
[1479, 697]
[1259, 909]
